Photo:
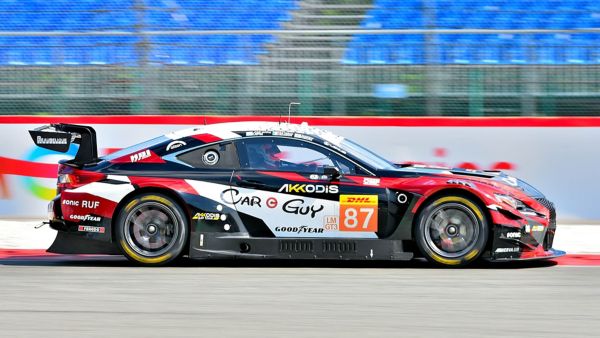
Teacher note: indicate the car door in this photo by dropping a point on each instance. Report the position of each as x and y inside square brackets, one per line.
[208, 170]
[287, 187]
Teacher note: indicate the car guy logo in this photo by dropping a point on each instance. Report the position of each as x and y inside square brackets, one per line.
[297, 207]
[232, 196]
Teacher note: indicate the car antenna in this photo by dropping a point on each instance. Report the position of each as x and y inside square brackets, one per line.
[290, 110]
[204, 119]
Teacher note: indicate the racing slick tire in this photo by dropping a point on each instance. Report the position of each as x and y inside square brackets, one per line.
[151, 229]
[451, 231]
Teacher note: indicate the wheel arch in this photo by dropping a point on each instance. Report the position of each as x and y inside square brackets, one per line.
[159, 190]
[451, 192]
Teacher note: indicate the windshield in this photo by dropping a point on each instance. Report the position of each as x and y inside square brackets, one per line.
[365, 155]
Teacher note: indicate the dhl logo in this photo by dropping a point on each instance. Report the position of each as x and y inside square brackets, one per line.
[359, 199]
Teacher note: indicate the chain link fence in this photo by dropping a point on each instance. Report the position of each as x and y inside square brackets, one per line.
[341, 72]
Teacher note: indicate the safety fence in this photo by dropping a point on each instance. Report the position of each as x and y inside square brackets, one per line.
[348, 72]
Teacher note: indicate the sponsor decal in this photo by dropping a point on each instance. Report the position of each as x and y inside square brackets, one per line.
[90, 218]
[506, 250]
[358, 213]
[513, 235]
[371, 181]
[309, 188]
[300, 229]
[89, 228]
[51, 140]
[330, 223]
[331, 145]
[303, 137]
[84, 203]
[271, 202]
[209, 216]
[175, 144]
[297, 207]
[537, 228]
[232, 196]
[318, 177]
[140, 156]
[279, 133]
[70, 202]
[359, 199]
[256, 133]
[90, 204]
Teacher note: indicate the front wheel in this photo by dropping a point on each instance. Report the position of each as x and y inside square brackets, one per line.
[151, 229]
[451, 231]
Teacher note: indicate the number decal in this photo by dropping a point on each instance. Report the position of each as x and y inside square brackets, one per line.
[369, 213]
[350, 220]
[358, 213]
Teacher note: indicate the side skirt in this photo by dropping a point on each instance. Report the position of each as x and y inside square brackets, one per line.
[205, 245]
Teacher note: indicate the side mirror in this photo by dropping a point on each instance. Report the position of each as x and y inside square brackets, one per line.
[332, 172]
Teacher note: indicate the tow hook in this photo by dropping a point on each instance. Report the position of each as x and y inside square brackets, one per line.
[42, 224]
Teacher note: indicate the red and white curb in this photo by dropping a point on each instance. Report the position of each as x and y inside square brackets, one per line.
[21, 239]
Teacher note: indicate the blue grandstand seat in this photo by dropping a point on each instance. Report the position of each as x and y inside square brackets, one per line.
[76, 51]
[42, 51]
[94, 15]
[485, 14]
[546, 52]
[456, 48]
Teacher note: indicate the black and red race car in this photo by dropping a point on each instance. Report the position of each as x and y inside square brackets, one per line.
[280, 190]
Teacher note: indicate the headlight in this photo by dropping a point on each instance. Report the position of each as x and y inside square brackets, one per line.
[513, 202]
[516, 204]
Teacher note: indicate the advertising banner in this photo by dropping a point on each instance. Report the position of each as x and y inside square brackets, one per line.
[559, 156]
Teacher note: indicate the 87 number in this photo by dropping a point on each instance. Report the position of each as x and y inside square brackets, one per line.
[352, 218]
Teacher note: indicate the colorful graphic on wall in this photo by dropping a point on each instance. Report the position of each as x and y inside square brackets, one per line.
[39, 187]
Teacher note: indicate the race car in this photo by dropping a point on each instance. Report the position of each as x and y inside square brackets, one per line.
[268, 190]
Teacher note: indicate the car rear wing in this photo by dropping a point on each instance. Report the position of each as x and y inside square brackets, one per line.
[58, 137]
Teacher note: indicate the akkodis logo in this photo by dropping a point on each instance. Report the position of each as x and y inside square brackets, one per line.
[45, 188]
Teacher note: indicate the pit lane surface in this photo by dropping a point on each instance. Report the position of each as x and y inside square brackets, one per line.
[74, 296]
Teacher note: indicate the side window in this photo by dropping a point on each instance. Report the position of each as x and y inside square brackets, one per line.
[269, 153]
[219, 156]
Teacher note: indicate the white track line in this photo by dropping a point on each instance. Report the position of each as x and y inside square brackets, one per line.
[23, 235]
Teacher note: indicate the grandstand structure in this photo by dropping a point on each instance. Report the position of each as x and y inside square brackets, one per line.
[387, 57]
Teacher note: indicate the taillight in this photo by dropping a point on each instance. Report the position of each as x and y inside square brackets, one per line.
[71, 178]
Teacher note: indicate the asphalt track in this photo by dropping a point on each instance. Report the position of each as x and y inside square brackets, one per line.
[75, 296]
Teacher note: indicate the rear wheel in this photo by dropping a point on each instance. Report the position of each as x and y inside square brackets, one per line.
[451, 231]
[151, 229]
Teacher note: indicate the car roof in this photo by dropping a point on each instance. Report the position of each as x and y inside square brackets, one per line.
[232, 130]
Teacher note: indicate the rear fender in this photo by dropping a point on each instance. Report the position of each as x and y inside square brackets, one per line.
[174, 194]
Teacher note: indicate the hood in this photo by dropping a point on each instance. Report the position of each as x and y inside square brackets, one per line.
[498, 177]
[501, 178]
